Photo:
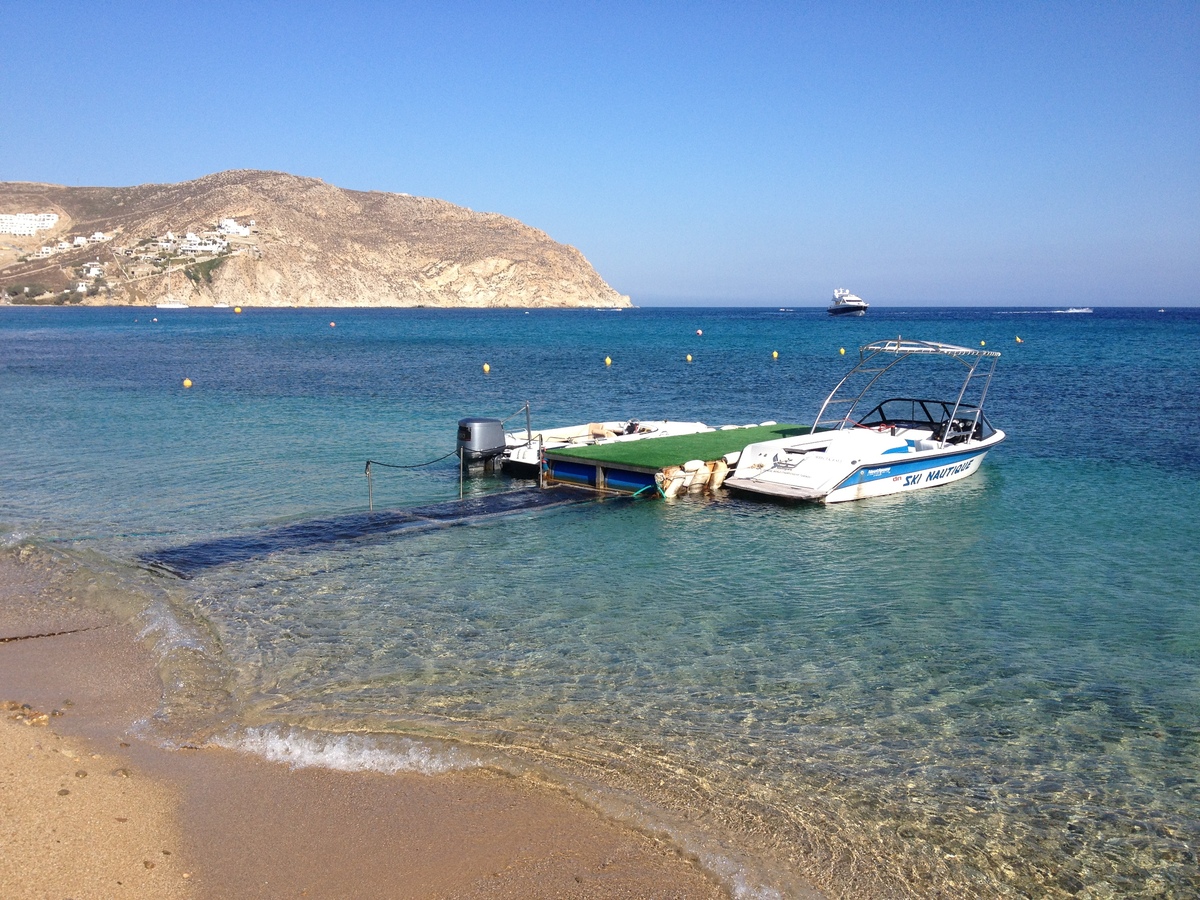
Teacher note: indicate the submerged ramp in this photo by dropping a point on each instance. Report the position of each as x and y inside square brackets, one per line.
[312, 534]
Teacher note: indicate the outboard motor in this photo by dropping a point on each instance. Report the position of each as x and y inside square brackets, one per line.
[479, 439]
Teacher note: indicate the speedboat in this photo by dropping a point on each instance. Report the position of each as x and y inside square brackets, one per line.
[901, 444]
[847, 304]
[523, 449]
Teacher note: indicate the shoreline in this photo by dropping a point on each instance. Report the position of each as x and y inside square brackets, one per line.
[215, 823]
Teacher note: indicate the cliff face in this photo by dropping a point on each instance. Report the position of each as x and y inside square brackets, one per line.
[313, 245]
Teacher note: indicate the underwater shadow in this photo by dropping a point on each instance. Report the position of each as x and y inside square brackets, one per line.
[188, 560]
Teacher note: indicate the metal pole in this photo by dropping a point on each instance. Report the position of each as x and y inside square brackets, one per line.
[370, 491]
[528, 424]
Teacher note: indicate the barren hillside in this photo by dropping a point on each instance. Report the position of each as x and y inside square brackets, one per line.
[312, 244]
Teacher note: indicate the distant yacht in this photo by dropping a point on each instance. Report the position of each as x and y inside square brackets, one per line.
[847, 304]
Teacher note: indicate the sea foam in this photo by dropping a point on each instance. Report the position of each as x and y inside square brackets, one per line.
[300, 748]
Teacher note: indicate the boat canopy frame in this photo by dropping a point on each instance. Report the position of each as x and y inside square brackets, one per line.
[880, 357]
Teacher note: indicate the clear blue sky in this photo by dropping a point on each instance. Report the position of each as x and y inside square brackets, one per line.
[733, 153]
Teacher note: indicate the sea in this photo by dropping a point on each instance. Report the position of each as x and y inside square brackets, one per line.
[985, 689]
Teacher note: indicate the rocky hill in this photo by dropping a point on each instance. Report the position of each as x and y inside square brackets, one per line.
[312, 244]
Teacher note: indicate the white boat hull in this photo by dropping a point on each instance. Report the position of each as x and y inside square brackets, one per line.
[856, 465]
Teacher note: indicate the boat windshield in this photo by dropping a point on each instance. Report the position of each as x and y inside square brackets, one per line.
[933, 415]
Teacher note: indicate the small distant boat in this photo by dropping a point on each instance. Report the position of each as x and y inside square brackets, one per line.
[902, 444]
[220, 306]
[1075, 309]
[847, 304]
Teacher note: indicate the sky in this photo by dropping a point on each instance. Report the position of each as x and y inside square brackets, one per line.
[748, 153]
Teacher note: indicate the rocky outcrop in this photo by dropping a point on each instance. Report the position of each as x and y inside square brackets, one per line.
[314, 245]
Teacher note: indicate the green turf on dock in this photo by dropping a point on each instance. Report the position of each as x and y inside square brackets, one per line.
[658, 453]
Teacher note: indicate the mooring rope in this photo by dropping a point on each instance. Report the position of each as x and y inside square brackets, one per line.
[455, 452]
[375, 462]
[46, 634]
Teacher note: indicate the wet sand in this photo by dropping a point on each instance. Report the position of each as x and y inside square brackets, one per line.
[89, 809]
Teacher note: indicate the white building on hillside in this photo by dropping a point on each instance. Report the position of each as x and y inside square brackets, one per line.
[194, 246]
[230, 226]
[27, 224]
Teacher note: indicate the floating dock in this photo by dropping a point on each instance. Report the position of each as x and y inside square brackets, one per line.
[667, 465]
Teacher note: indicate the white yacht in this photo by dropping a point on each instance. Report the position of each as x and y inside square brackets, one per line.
[901, 444]
[847, 304]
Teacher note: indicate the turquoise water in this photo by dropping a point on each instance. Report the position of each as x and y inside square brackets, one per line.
[986, 689]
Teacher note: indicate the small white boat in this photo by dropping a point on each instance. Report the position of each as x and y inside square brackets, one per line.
[847, 304]
[1075, 309]
[523, 449]
[901, 444]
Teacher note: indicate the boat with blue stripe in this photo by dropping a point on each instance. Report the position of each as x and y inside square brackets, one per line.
[901, 444]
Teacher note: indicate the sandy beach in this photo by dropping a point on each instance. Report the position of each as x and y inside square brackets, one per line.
[88, 809]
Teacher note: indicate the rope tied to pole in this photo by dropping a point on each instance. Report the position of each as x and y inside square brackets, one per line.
[375, 462]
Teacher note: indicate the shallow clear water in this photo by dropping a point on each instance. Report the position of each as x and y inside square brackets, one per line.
[991, 688]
